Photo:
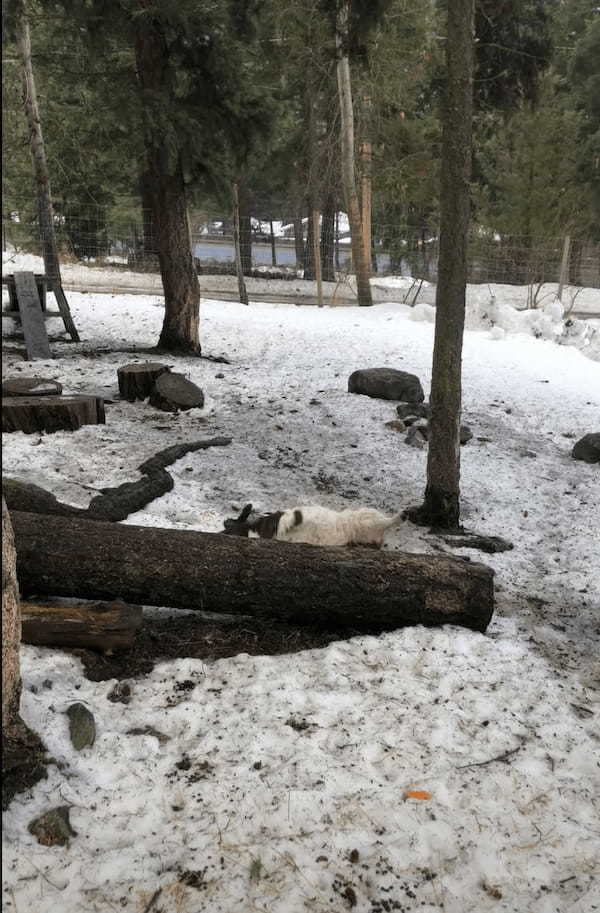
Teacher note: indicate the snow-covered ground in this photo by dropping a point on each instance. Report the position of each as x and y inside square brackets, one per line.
[284, 785]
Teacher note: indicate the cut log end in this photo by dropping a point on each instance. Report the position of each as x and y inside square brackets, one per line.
[33, 414]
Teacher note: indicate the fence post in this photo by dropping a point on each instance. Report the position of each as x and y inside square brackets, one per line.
[317, 256]
[564, 266]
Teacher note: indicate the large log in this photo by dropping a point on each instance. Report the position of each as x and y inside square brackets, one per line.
[101, 625]
[308, 584]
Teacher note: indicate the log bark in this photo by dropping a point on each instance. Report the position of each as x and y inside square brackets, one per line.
[291, 582]
[136, 381]
[98, 625]
[11, 626]
[32, 414]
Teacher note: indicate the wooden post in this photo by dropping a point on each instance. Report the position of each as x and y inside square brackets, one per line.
[236, 243]
[366, 159]
[273, 247]
[564, 267]
[42, 179]
[317, 256]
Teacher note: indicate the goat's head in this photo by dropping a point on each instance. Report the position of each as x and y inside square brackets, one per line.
[238, 526]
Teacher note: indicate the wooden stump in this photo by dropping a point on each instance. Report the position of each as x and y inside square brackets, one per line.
[173, 391]
[99, 625]
[136, 381]
[32, 414]
[31, 386]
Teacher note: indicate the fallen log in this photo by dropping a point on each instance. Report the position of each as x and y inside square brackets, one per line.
[100, 625]
[356, 587]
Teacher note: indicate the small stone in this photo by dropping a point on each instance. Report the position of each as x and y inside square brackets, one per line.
[529, 453]
[465, 434]
[396, 424]
[413, 410]
[82, 727]
[53, 828]
[120, 694]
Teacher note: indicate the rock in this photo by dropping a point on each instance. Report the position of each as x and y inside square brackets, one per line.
[53, 828]
[120, 694]
[395, 425]
[173, 391]
[31, 386]
[416, 437]
[418, 410]
[387, 383]
[587, 448]
[82, 727]
[465, 434]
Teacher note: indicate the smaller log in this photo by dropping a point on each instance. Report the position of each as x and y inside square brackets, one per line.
[31, 386]
[116, 504]
[36, 500]
[174, 391]
[32, 414]
[136, 381]
[99, 625]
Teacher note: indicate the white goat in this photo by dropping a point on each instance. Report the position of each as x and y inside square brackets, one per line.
[322, 526]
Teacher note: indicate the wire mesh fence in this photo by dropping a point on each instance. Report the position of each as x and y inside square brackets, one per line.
[285, 248]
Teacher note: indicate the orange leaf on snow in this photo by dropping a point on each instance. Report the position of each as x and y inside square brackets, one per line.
[417, 794]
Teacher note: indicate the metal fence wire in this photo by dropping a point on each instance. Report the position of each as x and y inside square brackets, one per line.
[284, 248]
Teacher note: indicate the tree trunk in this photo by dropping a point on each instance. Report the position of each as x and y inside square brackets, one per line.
[11, 626]
[180, 330]
[360, 260]
[22, 750]
[358, 587]
[309, 257]
[244, 204]
[299, 243]
[273, 244]
[237, 244]
[317, 256]
[38, 152]
[442, 505]
[327, 238]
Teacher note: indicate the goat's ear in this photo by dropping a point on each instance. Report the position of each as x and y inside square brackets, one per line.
[247, 510]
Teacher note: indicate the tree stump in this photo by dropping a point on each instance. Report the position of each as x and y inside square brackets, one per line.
[96, 625]
[173, 391]
[31, 386]
[32, 414]
[136, 381]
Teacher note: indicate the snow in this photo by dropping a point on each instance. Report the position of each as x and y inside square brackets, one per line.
[291, 763]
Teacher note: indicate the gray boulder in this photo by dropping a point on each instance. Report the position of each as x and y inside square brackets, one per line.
[587, 448]
[387, 383]
[408, 410]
